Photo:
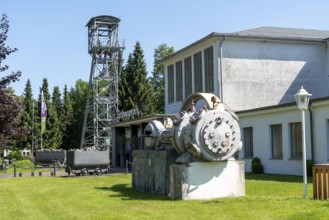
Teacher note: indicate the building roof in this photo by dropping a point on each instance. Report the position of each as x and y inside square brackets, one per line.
[266, 33]
[105, 19]
[145, 119]
[279, 32]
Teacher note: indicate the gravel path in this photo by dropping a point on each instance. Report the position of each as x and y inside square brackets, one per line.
[59, 173]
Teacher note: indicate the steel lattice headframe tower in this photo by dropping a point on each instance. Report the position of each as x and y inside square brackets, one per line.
[102, 101]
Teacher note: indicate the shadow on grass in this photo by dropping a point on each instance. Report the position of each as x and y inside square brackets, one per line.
[276, 177]
[125, 192]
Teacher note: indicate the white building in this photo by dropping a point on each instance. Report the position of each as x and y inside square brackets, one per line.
[256, 73]
[24, 152]
[274, 135]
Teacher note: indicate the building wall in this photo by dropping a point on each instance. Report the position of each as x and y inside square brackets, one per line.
[261, 121]
[174, 107]
[258, 74]
[317, 136]
[251, 74]
[320, 115]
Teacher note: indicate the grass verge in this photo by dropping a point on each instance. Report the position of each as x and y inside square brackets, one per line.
[111, 197]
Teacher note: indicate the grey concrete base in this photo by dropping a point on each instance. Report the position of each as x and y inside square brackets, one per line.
[207, 180]
[150, 170]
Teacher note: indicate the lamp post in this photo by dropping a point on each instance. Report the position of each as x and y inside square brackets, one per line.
[302, 99]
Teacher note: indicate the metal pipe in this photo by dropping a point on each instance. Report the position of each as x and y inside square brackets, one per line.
[220, 78]
[311, 134]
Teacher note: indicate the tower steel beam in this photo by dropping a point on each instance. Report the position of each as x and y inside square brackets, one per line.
[102, 99]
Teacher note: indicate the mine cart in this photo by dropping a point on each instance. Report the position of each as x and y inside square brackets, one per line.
[82, 162]
[48, 158]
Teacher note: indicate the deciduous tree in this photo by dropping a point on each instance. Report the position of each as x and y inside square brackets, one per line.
[10, 107]
[157, 80]
[78, 96]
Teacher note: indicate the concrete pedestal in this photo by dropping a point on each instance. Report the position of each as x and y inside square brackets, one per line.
[150, 170]
[207, 180]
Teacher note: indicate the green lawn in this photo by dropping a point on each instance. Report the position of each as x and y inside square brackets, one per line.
[111, 197]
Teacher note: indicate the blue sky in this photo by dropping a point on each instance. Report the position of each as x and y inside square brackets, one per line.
[51, 36]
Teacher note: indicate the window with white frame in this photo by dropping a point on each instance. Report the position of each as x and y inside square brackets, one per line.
[276, 141]
[179, 81]
[296, 140]
[188, 76]
[197, 63]
[209, 69]
[248, 142]
[170, 89]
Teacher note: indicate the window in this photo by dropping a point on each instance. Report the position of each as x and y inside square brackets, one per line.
[209, 69]
[296, 140]
[170, 89]
[188, 76]
[248, 142]
[179, 81]
[276, 141]
[198, 72]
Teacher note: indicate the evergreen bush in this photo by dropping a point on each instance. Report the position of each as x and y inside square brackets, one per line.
[256, 166]
[255, 160]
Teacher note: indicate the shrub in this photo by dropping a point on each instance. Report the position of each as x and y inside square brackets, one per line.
[309, 165]
[15, 155]
[25, 164]
[256, 166]
[255, 160]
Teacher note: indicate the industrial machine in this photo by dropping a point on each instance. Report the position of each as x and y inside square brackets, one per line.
[211, 133]
[204, 137]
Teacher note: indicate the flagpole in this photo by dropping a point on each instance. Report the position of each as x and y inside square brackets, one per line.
[43, 115]
[41, 122]
[41, 119]
[32, 127]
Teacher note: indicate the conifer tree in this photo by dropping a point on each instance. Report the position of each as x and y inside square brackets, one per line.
[67, 120]
[124, 93]
[52, 136]
[56, 101]
[142, 97]
[27, 115]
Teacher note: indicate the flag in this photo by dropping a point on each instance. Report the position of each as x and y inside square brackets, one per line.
[43, 113]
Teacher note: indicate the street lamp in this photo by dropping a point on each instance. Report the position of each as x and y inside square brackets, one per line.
[302, 99]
